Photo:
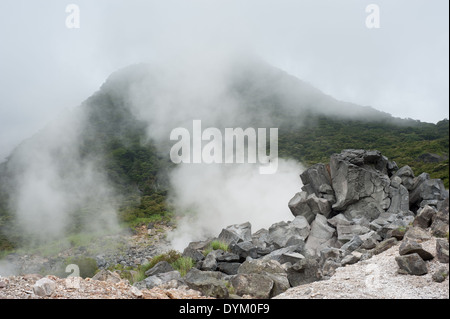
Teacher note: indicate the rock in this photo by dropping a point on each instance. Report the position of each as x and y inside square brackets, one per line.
[236, 233]
[160, 267]
[316, 179]
[255, 285]
[195, 254]
[210, 262]
[261, 238]
[425, 188]
[229, 268]
[353, 244]
[228, 257]
[270, 268]
[303, 272]
[410, 247]
[320, 234]
[277, 254]
[418, 234]
[106, 275]
[159, 279]
[424, 217]
[280, 233]
[340, 220]
[442, 250]
[347, 232]
[291, 257]
[411, 264]
[209, 283]
[384, 245]
[399, 199]
[406, 174]
[440, 274]
[309, 206]
[440, 220]
[329, 268]
[136, 292]
[244, 249]
[359, 174]
[44, 287]
[351, 258]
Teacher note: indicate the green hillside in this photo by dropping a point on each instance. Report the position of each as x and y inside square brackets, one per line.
[120, 143]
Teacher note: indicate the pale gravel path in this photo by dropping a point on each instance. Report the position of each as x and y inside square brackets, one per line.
[376, 278]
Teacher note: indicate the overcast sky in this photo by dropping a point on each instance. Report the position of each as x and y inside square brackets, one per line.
[45, 67]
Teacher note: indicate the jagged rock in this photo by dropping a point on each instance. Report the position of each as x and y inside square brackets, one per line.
[209, 283]
[440, 221]
[351, 258]
[280, 233]
[411, 264]
[234, 234]
[399, 198]
[416, 233]
[384, 245]
[255, 285]
[270, 268]
[340, 219]
[330, 260]
[424, 217]
[210, 262]
[291, 257]
[353, 244]
[303, 272]
[193, 253]
[227, 257]
[440, 274]
[106, 275]
[357, 175]
[159, 279]
[442, 250]
[309, 206]
[410, 247]
[229, 268]
[320, 234]
[406, 174]
[244, 249]
[277, 254]
[347, 232]
[425, 188]
[161, 267]
[44, 287]
[261, 238]
[316, 179]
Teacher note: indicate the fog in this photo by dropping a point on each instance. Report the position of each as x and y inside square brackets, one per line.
[49, 69]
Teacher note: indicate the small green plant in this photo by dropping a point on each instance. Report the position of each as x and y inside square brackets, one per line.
[215, 245]
[183, 265]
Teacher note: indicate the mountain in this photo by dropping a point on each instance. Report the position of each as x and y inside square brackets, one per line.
[106, 163]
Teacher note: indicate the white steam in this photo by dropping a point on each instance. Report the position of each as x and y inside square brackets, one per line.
[213, 196]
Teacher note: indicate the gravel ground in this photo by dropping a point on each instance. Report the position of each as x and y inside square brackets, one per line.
[376, 278]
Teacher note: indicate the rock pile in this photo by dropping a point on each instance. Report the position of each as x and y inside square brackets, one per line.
[359, 205]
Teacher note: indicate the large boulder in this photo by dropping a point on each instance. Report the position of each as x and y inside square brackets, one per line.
[358, 174]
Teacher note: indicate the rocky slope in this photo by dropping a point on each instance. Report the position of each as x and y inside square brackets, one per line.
[362, 228]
